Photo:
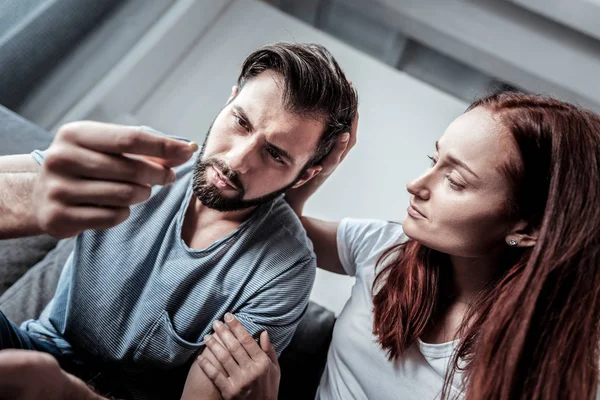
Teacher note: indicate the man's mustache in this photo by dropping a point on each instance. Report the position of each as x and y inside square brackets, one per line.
[225, 170]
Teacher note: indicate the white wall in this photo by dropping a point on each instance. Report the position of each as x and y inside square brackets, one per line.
[505, 40]
[400, 117]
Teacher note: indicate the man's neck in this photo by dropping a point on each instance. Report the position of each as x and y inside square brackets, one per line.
[208, 216]
[203, 226]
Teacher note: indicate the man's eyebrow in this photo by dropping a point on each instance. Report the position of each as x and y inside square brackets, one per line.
[242, 114]
[456, 161]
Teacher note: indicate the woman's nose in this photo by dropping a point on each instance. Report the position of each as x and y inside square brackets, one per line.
[418, 188]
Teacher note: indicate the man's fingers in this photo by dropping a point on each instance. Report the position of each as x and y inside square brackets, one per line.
[243, 337]
[222, 355]
[218, 378]
[118, 139]
[89, 164]
[267, 347]
[99, 193]
[58, 222]
[232, 343]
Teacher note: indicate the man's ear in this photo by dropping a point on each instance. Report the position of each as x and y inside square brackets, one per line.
[522, 235]
[234, 92]
[310, 173]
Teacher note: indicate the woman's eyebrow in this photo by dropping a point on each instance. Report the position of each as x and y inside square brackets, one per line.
[456, 161]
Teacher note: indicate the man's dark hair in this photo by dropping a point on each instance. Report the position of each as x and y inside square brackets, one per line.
[314, 86]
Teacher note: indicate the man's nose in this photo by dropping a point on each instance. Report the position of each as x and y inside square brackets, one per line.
[240, 157]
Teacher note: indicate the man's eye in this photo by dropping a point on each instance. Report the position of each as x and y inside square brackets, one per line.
[275, 155]
[241, 122]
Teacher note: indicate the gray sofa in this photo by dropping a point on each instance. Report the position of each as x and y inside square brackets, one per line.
[31, 268]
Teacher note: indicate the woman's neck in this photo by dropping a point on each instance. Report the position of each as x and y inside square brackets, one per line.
[471, 275]
[463, 282]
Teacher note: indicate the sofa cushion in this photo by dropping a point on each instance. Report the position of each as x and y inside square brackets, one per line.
[19, 135]
[27, 298]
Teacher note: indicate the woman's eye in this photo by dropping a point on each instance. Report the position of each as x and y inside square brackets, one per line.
[275, 155]
[433, 160]
[453, 184]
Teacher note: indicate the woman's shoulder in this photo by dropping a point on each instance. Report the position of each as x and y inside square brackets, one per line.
[376, 230]
[361, 242]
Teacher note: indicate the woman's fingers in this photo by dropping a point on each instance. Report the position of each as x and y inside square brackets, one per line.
[233, 344]
[218, 377]
[351, 138]
[222, 355]
[341, 148]
[206, 353]
[335, 156]
[243, 337]
[267, 347]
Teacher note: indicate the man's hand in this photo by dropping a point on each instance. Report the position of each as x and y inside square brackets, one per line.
[297, 197]
[237, 365]
[31, 375]
[94, 172]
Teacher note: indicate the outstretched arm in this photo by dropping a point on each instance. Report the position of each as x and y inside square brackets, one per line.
[18, 175]
[92, 173]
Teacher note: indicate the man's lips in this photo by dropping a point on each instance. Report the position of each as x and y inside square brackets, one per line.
[221, 177]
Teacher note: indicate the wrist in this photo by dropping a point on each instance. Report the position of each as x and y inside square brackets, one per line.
[298, 209]
[296, 206]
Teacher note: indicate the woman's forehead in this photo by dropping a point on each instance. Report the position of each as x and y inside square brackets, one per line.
[477, 139]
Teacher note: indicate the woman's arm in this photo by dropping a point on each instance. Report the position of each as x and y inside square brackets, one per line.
[323, 234]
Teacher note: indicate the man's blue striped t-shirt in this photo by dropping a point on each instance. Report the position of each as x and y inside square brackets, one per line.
[138, 301]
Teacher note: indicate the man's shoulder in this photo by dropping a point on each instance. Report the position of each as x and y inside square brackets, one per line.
[281, 223]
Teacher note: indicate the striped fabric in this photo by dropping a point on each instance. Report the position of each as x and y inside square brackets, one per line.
[135, 301]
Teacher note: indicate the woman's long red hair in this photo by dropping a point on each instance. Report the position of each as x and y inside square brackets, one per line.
[533, 332]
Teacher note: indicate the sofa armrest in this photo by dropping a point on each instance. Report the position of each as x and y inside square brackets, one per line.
[303, 361]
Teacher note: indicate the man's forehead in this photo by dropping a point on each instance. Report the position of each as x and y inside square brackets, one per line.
[296, 134]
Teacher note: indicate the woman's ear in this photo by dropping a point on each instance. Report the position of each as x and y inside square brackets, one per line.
[310, 173]
[522, 235]
[234, 91]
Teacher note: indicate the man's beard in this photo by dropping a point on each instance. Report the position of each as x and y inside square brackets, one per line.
[212, 197]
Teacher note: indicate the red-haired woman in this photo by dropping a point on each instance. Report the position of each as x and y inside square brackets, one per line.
[490, 289]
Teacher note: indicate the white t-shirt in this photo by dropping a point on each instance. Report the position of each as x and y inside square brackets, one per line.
[357, 367]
